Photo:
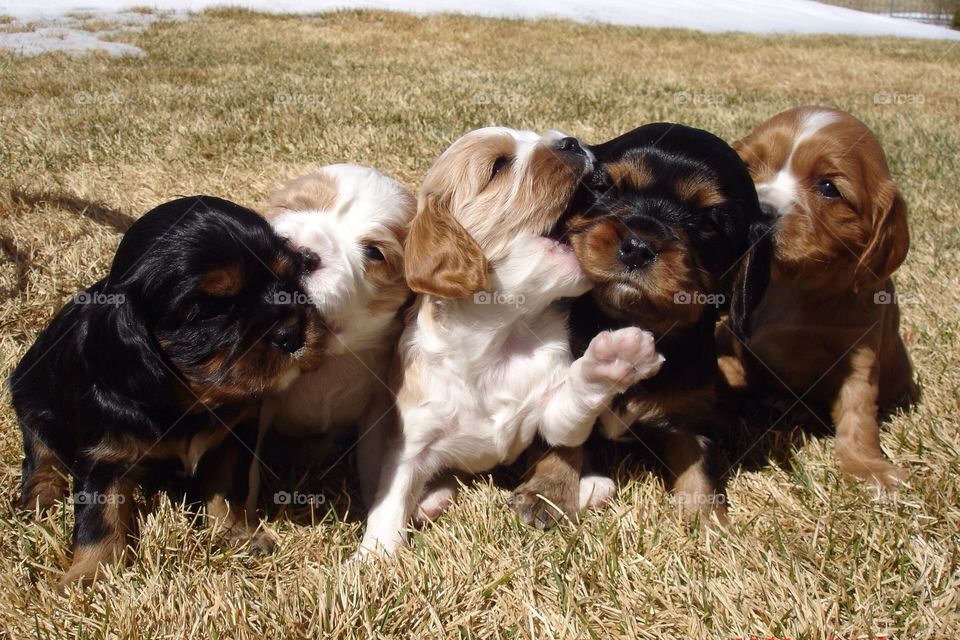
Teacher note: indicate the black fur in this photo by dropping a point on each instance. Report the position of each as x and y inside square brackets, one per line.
[726, 240]
[127, 359]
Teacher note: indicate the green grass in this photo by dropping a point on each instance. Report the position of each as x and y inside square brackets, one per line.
[229, 102]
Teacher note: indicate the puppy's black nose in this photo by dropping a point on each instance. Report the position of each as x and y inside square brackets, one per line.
[288, 338]
[309, 260]
[569, 144]
[635, 252]
[768, 210]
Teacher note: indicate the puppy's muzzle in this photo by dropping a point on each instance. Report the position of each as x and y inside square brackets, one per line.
[571, 145]
[636, 253]
[309, 260]
[288, 338]
[769, 211]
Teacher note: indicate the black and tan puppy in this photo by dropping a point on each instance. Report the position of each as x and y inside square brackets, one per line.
[675, 238]
[142, 373]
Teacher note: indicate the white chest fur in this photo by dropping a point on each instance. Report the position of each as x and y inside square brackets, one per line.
[334, 396]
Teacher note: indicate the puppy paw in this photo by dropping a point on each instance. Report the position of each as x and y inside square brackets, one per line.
[257, 542]
[536, 507]
[43, 489]
[708, 509]
[372, 549]
[434, 504]
[262, 543]
[622, 358]
[43, 497]
[882, 474]
[596, 491]
[358, 557]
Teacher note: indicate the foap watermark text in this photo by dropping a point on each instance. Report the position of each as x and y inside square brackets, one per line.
[298, 499]
[698, 297]
[499, 298]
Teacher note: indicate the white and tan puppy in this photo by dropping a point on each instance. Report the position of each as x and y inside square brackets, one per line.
[354, 220]
[484, 363]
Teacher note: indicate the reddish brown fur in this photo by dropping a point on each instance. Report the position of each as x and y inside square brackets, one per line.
[654, 306]
[258, 369]
[315, 191]
[441, 258]
[387, 276]
[49, 481]
[828, 328]
[629, 174]
[551, 491]
[117, 518]
[223, 281]
[454, 235]
[701, 192]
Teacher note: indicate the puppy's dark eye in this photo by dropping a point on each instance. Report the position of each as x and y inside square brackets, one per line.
[498, 166]
[371, 252]
[827, 189]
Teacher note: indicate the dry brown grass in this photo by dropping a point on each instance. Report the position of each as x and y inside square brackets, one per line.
[228, 102]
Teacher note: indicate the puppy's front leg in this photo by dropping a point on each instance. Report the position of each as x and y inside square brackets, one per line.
[220, 486]
[687, 457]
[44, 479]
[405, 472]
[614, 361]
[858, 434]
[551, 491]
[103, 510]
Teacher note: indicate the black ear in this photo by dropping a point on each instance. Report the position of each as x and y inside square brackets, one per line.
[752, 279]
[590, 191]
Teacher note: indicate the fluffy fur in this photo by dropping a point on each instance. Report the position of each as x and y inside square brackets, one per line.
[666, 246]
[354, 220]
[827, 330]
[141, 374]
[484, 362]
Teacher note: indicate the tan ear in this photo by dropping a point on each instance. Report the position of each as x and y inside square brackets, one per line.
[889, 240]
[440, 257]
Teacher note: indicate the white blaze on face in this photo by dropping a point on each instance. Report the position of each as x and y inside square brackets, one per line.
[813, 122]
[339, 277]
[783, 190]
[367, 209]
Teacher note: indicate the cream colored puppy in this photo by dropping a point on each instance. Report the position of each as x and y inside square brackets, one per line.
[352, 221]
[484, 363]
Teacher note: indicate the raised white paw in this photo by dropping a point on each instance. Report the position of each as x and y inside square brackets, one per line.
[622, 358]
[596, 491]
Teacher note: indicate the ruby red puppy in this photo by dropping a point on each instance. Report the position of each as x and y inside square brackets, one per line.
[826, 334]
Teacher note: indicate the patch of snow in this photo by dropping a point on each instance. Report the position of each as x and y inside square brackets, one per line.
[73, 41]
[766, 17]
[73, 34]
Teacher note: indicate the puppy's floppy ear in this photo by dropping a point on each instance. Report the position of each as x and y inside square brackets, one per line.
[752, 279]
[440, 257]
[889, 239]
[740, 146]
